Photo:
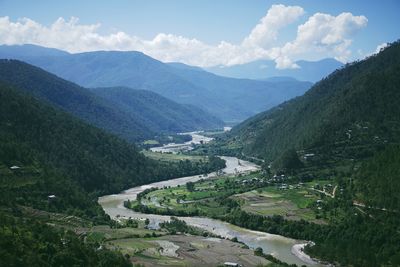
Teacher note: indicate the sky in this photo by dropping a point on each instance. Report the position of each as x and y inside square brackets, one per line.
[207, 32]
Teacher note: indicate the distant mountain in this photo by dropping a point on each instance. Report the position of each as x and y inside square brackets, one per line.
[28, 51]
[352, 113]
[280, 79]
[131, 123]
[232, 100]
[179, 65]
[262, 69]
[243, 96]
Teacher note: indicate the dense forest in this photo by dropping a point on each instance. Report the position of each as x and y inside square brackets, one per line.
[53, 162]
[351, 113]
[37, 136]
[134, 115]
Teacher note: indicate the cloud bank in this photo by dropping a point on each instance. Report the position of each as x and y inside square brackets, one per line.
[322, 35]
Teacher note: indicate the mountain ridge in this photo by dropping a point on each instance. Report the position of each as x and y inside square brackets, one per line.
[232, 100]
[311, 71]
[362, 93]
[95, 109]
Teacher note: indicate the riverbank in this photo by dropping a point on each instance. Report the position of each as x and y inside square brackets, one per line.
[278, 246]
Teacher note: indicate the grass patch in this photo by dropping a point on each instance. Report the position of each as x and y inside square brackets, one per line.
[173, 157]
[151, 142]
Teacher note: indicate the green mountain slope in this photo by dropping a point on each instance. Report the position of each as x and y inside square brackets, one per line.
[130, 122]
[53, 167]
[34, 133]
[59, 154]
[73, 99]
[352, 112]
[158, 113]
[343, 133]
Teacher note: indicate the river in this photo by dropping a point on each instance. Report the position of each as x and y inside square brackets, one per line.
[285, 249]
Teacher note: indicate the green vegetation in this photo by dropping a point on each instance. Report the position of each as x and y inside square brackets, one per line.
[205, 197]
[53, 162]
[159, 114]
[134, 115]
[175, 225]
[378, 181]
[30, 242]
[346, 130]
[291, 203]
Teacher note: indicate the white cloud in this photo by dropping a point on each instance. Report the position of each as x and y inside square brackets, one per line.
[322, 35]
[325, 35]
[380, 47]
[265, 33]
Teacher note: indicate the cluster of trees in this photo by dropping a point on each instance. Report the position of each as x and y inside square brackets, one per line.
[378, 182]
[189, 168]
[175, 225]
[29, 242]
[357, 240]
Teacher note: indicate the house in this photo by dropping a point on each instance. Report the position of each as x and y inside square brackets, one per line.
[14, 167]
[309, 155]
[51, 197]
[232, 264]
[283, 187]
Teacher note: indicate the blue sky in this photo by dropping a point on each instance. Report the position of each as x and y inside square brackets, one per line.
[203, 27]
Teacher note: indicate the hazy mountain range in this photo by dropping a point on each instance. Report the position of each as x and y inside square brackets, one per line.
[312, 71]
[230, 99]
[132, 114]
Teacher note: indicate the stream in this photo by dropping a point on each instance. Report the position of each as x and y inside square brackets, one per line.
[283, 248]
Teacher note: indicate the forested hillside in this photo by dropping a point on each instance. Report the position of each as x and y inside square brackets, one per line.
[126, 121]
[344, 131]
[158, 113]
[50, 163]
[49, 144]
[352, 111]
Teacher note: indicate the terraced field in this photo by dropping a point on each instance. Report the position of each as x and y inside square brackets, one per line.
[293, 204]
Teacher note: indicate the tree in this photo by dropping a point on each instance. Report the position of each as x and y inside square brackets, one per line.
[190, 186]
[289, 161]
[258, 251]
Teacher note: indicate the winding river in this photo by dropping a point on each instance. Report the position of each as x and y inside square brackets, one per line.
[285, 249]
